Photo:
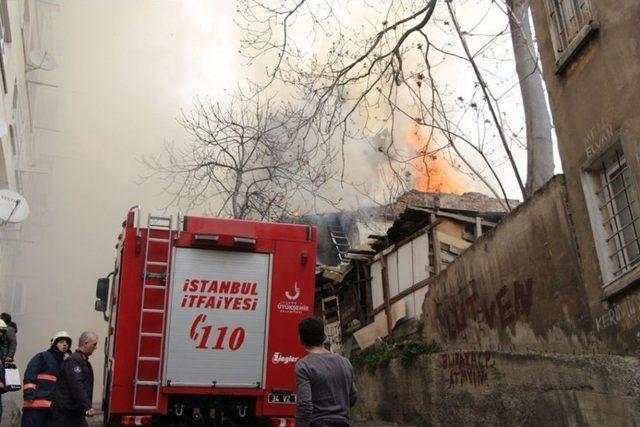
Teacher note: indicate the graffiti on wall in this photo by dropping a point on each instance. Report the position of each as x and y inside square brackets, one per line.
[508, 304]
[617, 313]
[598, 137]
[466, 367]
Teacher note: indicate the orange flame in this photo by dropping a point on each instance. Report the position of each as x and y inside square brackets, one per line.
[434, 173]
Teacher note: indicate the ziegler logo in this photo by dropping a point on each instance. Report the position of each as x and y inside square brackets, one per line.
[295, 295]
[285, 360]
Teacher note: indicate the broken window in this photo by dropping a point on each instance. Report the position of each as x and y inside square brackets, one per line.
[572, 23]
[567, 18]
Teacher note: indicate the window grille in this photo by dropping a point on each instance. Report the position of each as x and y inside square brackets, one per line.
[620, 213]
[567, 18]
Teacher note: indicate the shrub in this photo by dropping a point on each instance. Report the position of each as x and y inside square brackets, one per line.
[407, 351]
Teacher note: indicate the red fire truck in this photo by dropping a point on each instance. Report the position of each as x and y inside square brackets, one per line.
[203, 321]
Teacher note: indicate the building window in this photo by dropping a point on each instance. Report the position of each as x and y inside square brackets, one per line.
[621, 212]
[3, 71]
[6, 26]
[26, 16]
[568, 17]
[14, 140]
[18, 130]
[615, 212]
[19, 188]
[572, 22]
[17, 299]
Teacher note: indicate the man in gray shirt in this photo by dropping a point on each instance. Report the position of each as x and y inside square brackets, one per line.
[325, 381]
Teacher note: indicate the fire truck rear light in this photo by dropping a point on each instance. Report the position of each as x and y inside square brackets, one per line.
[136, 420]
[206, 238]
[282, 422]
[245, 241]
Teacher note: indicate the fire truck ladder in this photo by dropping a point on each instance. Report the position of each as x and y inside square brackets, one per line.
[340, 241]
[146, 388]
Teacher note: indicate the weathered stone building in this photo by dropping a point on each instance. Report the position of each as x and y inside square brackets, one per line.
[540, 318]
[590, 53]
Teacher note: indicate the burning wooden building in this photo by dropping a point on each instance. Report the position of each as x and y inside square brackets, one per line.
[375, 264]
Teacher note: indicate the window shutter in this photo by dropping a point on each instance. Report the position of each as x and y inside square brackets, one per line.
[584, 8]
[555, 22]
[570, 19]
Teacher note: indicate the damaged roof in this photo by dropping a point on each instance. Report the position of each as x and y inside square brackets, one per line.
[415, 208]
[412, 212]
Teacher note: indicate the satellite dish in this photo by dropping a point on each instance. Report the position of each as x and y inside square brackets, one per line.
[13, 207]
[4, 129]
[41, 60]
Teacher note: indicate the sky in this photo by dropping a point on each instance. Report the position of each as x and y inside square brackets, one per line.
[125, 70]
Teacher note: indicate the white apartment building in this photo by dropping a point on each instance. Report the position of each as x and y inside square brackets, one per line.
[23, 60]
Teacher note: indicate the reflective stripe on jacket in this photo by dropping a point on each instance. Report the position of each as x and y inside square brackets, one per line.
[37, 404]
[40, 379]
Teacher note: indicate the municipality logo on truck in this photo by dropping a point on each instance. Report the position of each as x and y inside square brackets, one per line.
[290, 304]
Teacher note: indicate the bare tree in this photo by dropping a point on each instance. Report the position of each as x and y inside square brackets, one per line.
[246, 158]
[539, 143]
[384, 71]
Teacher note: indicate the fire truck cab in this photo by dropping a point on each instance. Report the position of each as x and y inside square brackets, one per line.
[203, 321]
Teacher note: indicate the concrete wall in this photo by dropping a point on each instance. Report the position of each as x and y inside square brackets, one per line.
[500, 388]
[522, 347]
[518, 286]
[595, 102]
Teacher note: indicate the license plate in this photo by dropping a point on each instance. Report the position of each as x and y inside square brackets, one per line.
[282, 398]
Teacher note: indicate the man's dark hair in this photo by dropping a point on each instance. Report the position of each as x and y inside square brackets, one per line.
[311, 330]
[6, 317]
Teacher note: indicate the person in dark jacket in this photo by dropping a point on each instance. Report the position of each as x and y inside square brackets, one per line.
[40, 381]
[10, 343]
[3, 387]
[74, 388]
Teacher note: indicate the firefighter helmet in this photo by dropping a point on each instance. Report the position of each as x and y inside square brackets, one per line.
[59, 336]
[3, 326]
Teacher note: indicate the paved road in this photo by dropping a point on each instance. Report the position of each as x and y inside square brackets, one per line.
[378, 424]
[11, 418]
[97, 422]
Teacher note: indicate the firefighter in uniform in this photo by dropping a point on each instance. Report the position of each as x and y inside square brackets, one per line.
[3, 387]
[74, 388]
[40, 381]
